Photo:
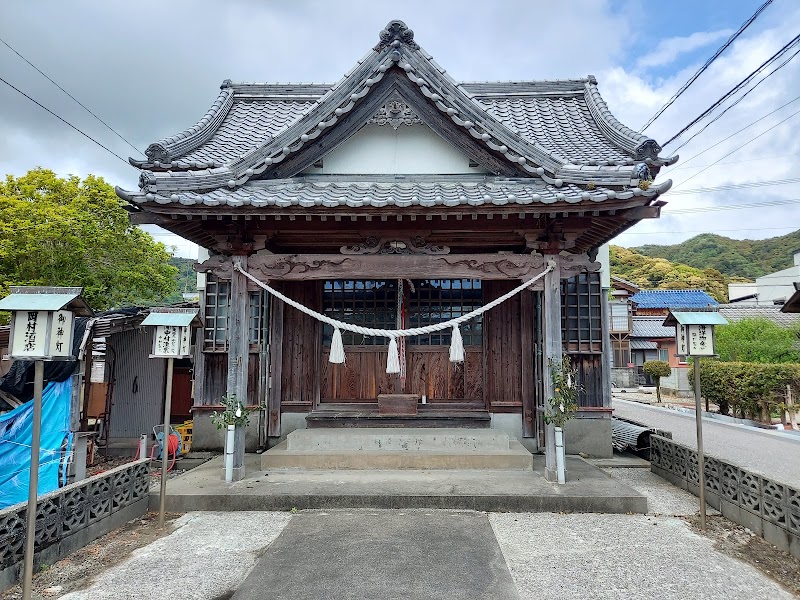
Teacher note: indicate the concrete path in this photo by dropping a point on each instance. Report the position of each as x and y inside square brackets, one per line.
[385, 554]
[773, 454]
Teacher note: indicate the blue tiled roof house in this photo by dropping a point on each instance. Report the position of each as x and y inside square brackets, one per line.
[663, 300]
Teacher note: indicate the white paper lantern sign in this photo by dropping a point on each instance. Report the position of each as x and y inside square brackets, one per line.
[694, 331]
[173, 336]
[42, 321]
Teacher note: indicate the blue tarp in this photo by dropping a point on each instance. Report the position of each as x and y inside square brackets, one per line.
[15, 444]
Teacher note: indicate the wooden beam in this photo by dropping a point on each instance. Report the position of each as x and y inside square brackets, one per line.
[303, 267]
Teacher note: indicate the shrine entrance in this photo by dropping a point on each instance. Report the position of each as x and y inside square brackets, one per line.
[425, 366]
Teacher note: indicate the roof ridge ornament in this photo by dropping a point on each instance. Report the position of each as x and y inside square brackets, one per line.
[396, 31]
[395, 112]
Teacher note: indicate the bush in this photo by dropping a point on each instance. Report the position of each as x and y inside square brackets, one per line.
[657, 369]
[749, 390]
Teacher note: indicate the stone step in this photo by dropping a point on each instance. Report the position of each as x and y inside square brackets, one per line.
[397, 440]
[390, 449]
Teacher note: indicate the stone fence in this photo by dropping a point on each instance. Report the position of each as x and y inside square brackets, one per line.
[72, 517]
[766, 507]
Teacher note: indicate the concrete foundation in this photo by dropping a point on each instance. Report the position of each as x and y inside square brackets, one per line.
[590, 436]
[588, 489]
[398, 448]
[586, 435]
[207, 438]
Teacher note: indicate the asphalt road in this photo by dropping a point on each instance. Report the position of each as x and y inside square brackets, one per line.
[774, 455]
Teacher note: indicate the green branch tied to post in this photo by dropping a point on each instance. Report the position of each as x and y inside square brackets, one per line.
[566, 389]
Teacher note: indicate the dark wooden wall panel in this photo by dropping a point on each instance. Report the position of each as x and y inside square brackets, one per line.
[590, 378]
[360, 379]
[430, 372]
[301, 347]
[215, 377]
[502, 331]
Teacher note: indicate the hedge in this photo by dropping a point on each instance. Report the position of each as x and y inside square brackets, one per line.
[748, 390]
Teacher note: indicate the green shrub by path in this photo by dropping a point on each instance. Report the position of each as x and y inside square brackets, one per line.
[657, 369]
[747, 390]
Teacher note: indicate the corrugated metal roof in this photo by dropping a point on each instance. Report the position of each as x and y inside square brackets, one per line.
[36, 301]
[651, 327]
[673, 299]
[696, 318]
[175, 318]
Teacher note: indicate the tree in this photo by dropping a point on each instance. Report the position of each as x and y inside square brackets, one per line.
[68, 232]
[756, 341]
[657, 369]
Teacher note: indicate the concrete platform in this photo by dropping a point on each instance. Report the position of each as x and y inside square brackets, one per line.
[391, 449]
[588, 489]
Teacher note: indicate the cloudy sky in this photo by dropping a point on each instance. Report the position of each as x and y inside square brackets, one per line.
[151, 68]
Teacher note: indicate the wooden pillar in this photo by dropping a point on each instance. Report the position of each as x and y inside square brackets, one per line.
[528, 330]
[551, 321]
[238, 333]
[276, 368]
[605, 368]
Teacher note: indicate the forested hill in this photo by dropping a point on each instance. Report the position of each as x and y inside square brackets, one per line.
[733, 258]
[659, 273]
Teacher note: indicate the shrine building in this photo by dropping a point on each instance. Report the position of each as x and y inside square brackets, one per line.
[398, 198]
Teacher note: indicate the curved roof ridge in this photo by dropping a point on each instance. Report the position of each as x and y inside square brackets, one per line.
[398, 51]
[169, 148]
[642, 147]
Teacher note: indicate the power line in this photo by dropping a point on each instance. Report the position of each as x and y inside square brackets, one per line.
[16, 89]
[737, 101]
[707, 64]
[736, 88]
[703, 209]
[739, 148]
[736, 186]
[725, 139]
[43, 74]
[734, 162]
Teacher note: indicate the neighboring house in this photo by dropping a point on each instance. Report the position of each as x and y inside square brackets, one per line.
[775, 288]
[648, 339]
[123, 389]
[399, 197]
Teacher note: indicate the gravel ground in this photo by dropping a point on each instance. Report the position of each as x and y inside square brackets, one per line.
[663, 498]
[206, 556]
[589, 556]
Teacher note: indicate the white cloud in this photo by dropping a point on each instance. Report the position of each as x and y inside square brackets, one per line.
[633, 99]
[668, 50]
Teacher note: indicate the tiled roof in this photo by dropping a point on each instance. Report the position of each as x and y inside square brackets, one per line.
[562, 124]
[737, 312]
[331, 192]
[643, 345]
[673, 299]
[560, 132]
[651, 328]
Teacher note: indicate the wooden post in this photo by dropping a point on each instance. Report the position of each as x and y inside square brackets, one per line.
[790, 410]
[605, 370]
[276, 369]
[528, 320]
[238, 333]
[551, 318]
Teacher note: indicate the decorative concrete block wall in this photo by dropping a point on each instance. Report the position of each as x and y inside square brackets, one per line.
[768, 508]
[72, 517]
